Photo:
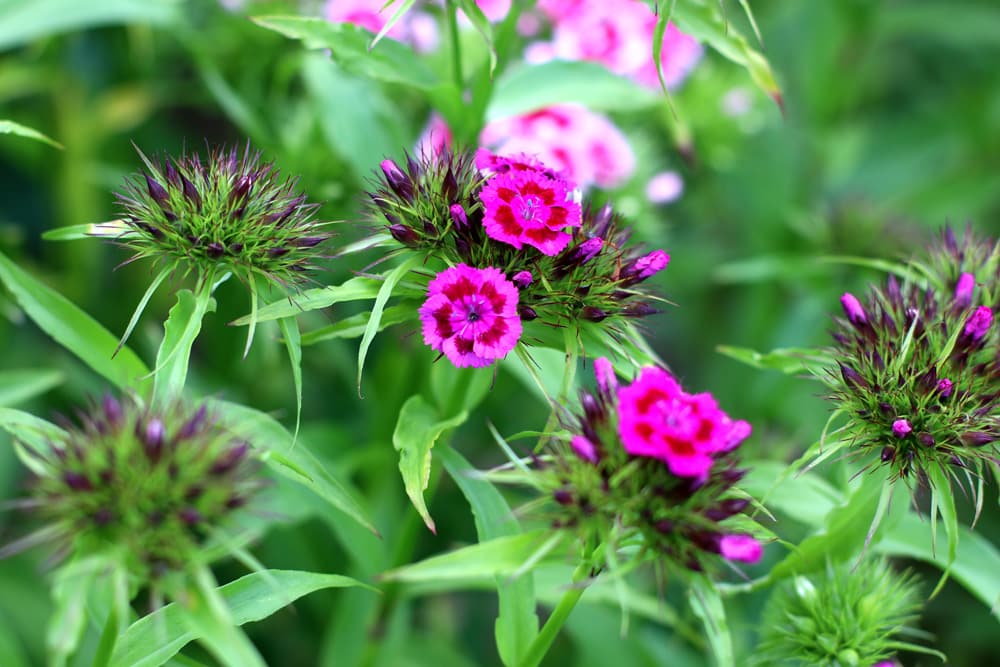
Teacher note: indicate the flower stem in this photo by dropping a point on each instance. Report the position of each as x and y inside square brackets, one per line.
[543, 642]
[456, 48]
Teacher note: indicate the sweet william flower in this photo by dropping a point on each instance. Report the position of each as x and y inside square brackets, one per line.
[470, 315]
[529, 208]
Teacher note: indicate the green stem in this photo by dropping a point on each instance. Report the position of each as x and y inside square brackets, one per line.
[543, 642]
[456, 47]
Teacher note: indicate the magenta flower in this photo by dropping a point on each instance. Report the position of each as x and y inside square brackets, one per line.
[645, 267]
[853, 309]
[659, 420]
[979, 323]
[901, 428]
[944, 387]
[470, 315]
[584, 448]
[963, 290]
[741, 548]
[529, 208]
[522, 279]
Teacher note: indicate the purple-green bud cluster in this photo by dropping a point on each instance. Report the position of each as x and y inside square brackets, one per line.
[149, 486]
[433, 205]
[918, 365]
[230, 211]
[844, 616]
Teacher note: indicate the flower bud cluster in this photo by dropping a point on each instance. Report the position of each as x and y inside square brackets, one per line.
[918, 366]
[230, 211]
[570, 263]
[650, 462]
[149, 486]
[841, 617]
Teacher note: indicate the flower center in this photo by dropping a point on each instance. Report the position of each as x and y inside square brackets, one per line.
[529, 207]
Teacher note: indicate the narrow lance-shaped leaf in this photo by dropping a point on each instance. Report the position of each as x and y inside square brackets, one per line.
[417, 429]
[17, 386]
[10, 127]
[485, 560]
[707, 605]
[355, 289]
[293, 343]
[73, 329]
[179, 333]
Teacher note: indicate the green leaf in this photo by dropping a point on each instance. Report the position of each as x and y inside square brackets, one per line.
[17, 386]
[24, 21]
[479, 21]
[72, 328]
[384, 292]
[486, 560]
[844, 534]
[390, 61]
[517, 622]
[706, 602]
[531, 87]
[293, 343]
[355, 289]
[417, 429]
[944, 504]
[703, 20]
[355, 325]
[288, 458]
[806, 497]
[10, 127]
[70, 590]
[154, 639]
[179, 333]
[975, 564]
[788, 360]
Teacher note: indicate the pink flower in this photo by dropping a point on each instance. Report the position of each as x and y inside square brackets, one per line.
[618, 34]
[664, 187]
[742, 548]
[415, 28]
[853, 309]
[581, 145]
[944, 387]
[584, 448]
[490, 163]
[659, 420]
[901, 428]
[470, 315]
[979, 323]
[529, 208]
[963, 290]
[435, 139]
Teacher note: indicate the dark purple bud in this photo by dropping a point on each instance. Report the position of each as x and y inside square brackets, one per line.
[235, 501]
[639, 310]
[591, 407]
[463, 248]
[190, 192]
[308, 241]
[977, 438]
[214, 250]
[449, 186]
[194, 492]
[926, 439]
[430, 228]
[229, 459]
[664, 526]
[726, 509]
[949, 241]
[853, 378]
[563, 497]
[77, 481]
[732, 475]
[458, 216]
[853, 309]
[113, 414]
[584, 252]
[235, 248]
[404, 235]
[593, 314]
[602, 221]
[276, 252]
[171, 174]
[152, 437]
[886, 409]
[706, 540]
[156, 191]
[892, 290]
[522, 279]
[888, 454]
[103, 516]
[189, 515]
[397, 180]
[963, 290]
[526, 313]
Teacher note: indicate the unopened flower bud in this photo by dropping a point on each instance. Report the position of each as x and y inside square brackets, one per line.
[963, 290]
[522, 279]
[593, 314]
[901, 428]
[404, 235]
[458, 216]
[978, 324]
[397, 180]
[853, 309]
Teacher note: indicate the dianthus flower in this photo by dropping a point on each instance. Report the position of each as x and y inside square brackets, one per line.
[655, 463]
[917, 375]
[470, 315]
[415, 28]
[529, 208]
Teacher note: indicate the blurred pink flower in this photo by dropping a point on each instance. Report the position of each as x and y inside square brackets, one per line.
[619, 35]
[585, 146]
[436, 137]
[740, 547]
[664, 187]
[470, 315]
[415, 28]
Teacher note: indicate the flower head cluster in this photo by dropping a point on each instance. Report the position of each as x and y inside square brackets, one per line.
[144, 487]
[841, 617]
[919, 374]
[516, 218]
[618, 34]
[470, 315]
[228, 212]
[650, 462]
